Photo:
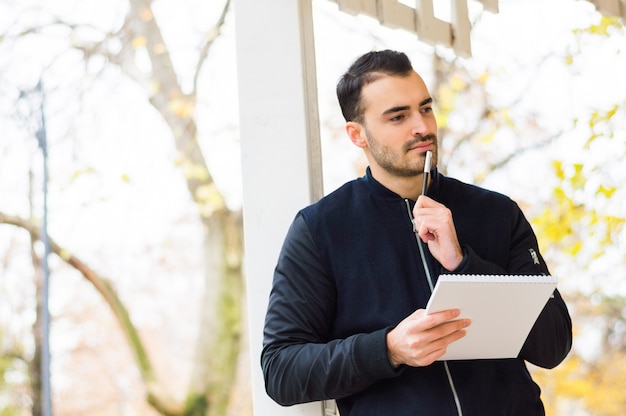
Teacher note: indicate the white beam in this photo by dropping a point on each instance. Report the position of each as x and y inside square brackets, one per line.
[608, 7]
[490, 5]
[370, 7]
[352, 7]
[396, 15]
[281, 157]
[421, 19]
[429, 28]
[461, 29]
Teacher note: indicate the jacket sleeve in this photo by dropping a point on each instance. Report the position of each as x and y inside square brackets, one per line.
[550, 339]
[299, 361]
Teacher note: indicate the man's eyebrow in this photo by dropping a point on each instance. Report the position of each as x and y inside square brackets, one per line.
[406, 107]
[396, 109]
[426, 101]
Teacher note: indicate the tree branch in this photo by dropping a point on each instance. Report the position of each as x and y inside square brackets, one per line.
[156, 396]
[213, 34]
[176, 108]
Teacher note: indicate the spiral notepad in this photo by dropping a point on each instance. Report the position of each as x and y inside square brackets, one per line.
[503, 310]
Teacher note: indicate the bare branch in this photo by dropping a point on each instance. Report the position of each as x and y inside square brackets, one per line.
[155, 392]
[213, 34]
[177, 109]
[535, 146]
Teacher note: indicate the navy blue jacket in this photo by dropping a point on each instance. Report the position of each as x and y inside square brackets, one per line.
[350, 270]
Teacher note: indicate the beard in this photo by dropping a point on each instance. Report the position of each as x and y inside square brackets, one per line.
[396, 162]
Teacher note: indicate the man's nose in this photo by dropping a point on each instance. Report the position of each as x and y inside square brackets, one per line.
[419, 126]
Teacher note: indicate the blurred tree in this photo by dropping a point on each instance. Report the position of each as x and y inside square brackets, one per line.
[579, 223]
[12, 362]
[214, 387]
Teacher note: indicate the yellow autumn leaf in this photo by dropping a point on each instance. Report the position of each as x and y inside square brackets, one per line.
[445, 98]
[558, 169]
[574, 249]
[193, 170]
[488, 138]
[155, 87]
[605, 24]
[209, 194]
[182, 107]
[578, 179]
[605, 191]
[81, 172]
[505, 116]
[146, 14]
[139, 42]
[611, 112]
[458, 83]
[159, 49]
[442, 120]
[65, 254]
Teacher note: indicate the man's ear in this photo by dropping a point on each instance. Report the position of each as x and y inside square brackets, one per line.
[356, 132]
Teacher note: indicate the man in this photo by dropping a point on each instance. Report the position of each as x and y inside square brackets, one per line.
[345, 318]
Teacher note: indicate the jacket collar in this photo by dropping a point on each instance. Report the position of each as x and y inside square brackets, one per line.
[379, 190]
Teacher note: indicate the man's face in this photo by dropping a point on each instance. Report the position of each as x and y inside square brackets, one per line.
[399, 124]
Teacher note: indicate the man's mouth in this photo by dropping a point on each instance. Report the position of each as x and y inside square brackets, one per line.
[421, 146]
[421, 143]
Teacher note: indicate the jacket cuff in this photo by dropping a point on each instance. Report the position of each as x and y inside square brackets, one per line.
[473, 264]
[370, 356]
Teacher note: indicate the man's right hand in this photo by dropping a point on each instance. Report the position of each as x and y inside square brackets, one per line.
[420, 339]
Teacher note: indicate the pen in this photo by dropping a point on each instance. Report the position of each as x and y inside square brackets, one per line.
[427, 162]
[420, 242]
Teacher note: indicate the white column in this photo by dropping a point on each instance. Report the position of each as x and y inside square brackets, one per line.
[281, 157]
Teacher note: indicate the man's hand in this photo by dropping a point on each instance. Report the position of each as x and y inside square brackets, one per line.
[420, 339]
[434, 225]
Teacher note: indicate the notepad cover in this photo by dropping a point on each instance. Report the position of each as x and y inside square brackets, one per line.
[503, 309]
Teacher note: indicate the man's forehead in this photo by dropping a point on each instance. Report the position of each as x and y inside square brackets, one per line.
[395, 90]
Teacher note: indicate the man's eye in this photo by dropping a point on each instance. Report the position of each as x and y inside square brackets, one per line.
[426, 110]
[397, 118]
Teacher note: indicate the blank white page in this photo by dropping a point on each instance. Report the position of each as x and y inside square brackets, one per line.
[503, 309]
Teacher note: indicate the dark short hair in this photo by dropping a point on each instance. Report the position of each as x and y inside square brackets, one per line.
[363, 71]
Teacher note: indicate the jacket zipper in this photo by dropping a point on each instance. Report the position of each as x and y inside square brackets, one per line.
[421, 244]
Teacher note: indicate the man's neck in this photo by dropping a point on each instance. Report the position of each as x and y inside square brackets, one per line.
[406, 186]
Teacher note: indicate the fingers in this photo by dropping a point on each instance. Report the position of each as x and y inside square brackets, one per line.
[431, 218]
[435, 226]
[430, 213]
[424, 201]
[420, 339]
[426, 354]
[434, 319]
